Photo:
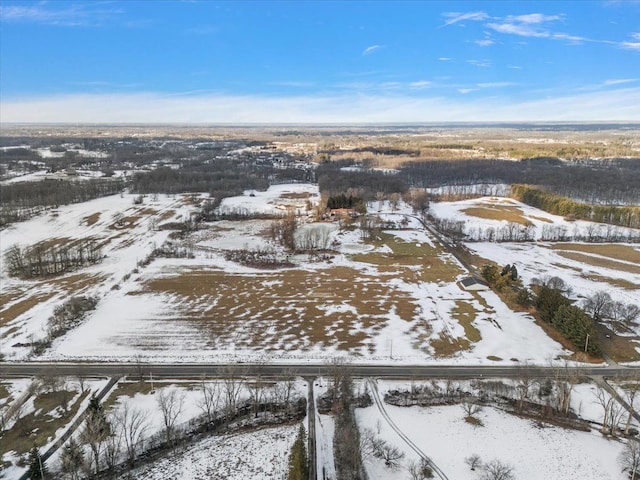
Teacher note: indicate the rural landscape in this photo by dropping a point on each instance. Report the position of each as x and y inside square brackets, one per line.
[366, 302]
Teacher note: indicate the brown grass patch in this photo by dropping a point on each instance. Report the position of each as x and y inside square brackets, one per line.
[434, 267]
[32, 429]
[329, 307]
[9, 314]
[615, 251]
[445, 346]
[76, 283]
[599, 262]
[493, 358]
[498, 212]
[91, 219]
[295, 195]
[618, 282]
[620, 349]
[166, 215]
[476, 422]
[465, 314]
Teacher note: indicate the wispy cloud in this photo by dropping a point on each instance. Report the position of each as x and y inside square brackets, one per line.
[633, 45]
[485, 42]
[533, 25]
[371, 49]
[456, 17]
[606, 105]
[536, 25]
[495, 84]
[464, 91]
[420, 84]
[444, 59]
[619, 81]
[76, 15]
[480, 63]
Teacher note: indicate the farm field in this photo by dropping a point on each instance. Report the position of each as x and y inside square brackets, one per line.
[395, 299]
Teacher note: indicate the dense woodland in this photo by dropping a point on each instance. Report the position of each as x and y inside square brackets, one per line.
[227, 167]
[613, 181]
[22, 200]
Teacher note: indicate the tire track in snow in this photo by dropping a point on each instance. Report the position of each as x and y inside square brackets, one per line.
[380, 404]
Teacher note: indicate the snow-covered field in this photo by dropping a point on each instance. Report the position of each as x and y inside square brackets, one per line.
[586, 267]
[398, 301]
[536, 452]
[365, 301]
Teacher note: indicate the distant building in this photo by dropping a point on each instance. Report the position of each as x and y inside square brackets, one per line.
[340, 213]
[474, 284]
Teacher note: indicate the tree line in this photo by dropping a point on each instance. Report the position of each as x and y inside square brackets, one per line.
[613, 181]
[45, 259]
[560, 205]
[21, 200]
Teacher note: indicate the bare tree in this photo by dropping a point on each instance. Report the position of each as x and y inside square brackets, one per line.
[369, 443]
[210, 400]
[605, 401]
[233, 384]
[473, 461]
[133, 424]
[420, 470]
[171, 403]
[524, 383]
[471, 408]
[283, 389]
[598, 305]
[630, 459]
[112, 447]
[390, 454]
[496, 470]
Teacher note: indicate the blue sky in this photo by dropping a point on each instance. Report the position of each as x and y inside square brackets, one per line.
[319, 62]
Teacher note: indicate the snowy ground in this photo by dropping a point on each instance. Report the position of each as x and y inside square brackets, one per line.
[535, 452]
[259, 455]
[399, 301]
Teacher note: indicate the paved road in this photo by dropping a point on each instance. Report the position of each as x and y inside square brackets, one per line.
[193, 370]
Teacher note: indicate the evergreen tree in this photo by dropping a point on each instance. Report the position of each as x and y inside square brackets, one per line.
[37, 466]
[298, 462]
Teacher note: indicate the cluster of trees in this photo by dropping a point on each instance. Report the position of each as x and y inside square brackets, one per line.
[220, 176]
[343, 200]
[257, 258]
[560, 205]
[572, 321]
[45, 258]
[346, 436]
[22, 200]
[334, 180]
